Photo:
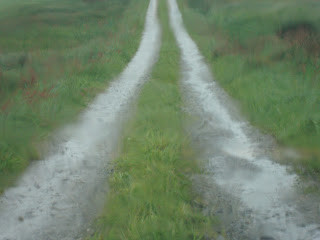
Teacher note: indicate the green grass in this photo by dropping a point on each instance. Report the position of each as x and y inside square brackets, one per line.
[265, 54]
[55, 56]
[150, 195]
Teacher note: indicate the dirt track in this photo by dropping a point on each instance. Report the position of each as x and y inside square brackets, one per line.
[254, 196]
[57, 196]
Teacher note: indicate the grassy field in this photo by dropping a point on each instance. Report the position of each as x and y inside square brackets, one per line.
[55, 56]
[266, 55]
[150, 194]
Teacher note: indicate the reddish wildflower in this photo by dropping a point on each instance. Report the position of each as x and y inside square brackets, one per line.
[28, 82]
[46, 93]
[33, 77]
[5, 106]
[23, 81]
[32, 96]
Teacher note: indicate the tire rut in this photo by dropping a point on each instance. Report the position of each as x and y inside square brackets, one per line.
[57, 197]
[255, 197]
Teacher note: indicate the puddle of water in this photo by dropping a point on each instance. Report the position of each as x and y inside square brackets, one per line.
[57, 197]
[237, 160]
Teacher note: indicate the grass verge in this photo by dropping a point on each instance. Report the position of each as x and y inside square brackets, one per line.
[150, 194]
[265, 54]
[55, 56]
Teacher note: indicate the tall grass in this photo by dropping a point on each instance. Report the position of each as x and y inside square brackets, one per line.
[150, 194]
[265, 54]
[55, 56]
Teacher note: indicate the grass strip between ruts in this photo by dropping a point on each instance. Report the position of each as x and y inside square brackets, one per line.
[150, 194]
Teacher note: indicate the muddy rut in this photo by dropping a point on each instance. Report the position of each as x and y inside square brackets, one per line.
[57, 196]
[255, 197]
